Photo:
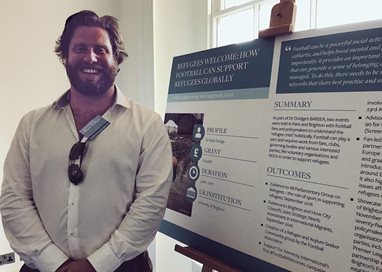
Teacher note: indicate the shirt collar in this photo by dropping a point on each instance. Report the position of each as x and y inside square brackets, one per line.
[120, 99]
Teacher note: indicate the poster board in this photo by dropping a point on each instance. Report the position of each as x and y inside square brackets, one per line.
[278, 147]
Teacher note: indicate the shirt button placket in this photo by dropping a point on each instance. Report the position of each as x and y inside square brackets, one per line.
[73, 220]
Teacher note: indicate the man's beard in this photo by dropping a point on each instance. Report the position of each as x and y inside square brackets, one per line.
[90, 87]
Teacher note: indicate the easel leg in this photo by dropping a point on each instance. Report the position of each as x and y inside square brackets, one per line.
[206, 268]
[209, 263]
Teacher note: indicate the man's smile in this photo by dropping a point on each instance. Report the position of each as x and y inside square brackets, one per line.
[89, 71]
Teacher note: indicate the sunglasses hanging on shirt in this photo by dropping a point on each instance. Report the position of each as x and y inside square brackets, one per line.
[75, 158]
[89, 132]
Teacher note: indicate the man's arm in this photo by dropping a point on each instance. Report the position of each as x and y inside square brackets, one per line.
[153, 181]
[22, 225]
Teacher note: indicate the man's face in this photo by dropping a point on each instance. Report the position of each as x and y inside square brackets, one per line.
[90, 65]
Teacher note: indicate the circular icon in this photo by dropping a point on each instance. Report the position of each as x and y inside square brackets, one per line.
[191, 194]
[196, 152]
[198, 132]
[193, 172]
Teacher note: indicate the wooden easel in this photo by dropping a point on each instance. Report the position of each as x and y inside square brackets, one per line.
[282, 20]
[209, 263]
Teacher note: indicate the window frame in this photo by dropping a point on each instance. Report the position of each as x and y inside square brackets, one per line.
[216, 12]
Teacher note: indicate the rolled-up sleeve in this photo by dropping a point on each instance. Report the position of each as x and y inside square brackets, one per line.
[153, 182]
[22, 224]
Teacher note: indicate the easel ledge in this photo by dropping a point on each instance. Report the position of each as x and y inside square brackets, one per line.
[209, 263]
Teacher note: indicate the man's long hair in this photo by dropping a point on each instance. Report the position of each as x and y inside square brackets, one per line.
[90, 18]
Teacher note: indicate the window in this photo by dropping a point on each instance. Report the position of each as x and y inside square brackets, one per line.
[234, 21]
[338, 12]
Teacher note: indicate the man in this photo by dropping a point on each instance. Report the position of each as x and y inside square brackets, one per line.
[71, 202]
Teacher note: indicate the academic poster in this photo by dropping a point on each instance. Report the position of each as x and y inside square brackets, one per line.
[277, 147]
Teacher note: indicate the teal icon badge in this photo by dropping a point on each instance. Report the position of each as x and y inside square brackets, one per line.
[195, 152]
[193, 172]
[198, 132]
[191, 194]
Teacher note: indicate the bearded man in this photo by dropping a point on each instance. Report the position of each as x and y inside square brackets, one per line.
[86, 179]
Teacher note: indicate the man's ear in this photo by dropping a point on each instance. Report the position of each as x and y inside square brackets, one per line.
[117, 64]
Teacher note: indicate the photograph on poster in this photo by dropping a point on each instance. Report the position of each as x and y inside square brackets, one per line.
[185, 132]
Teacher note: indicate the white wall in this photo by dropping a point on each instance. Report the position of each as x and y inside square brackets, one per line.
[180, 27]
[138, 77]
[32, 76]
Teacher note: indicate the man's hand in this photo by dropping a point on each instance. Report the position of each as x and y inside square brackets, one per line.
[81, 265]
